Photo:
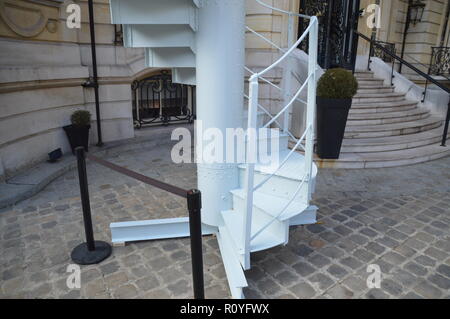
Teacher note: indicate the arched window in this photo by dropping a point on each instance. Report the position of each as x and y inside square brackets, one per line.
[156, 100]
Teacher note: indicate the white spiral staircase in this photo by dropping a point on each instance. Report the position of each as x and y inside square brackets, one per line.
[270, 197]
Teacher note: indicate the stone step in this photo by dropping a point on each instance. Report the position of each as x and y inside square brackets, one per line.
[367, 82]
[364, 75]
[390, 107]
[404, 128]
[392, 143]
[388, 104]
[375, 89]
[386, 118]
[360, 98]
[386, 159]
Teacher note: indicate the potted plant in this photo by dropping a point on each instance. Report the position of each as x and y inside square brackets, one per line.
[335, 90]
[78, 131]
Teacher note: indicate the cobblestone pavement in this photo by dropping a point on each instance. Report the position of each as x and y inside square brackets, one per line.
[397, 218]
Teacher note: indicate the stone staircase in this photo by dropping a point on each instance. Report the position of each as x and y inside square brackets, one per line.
[384, 129]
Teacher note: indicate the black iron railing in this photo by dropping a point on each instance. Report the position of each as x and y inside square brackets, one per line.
[375, 51]
[440, 62]
[416, 70]
[439, 65]
[157, 100]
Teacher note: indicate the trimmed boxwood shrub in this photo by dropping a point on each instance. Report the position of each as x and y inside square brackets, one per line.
[81, 118]
[337, 84]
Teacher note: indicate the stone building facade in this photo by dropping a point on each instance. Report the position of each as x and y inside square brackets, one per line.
[43, 65]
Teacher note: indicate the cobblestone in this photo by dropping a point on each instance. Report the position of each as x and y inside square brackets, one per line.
[398, 219]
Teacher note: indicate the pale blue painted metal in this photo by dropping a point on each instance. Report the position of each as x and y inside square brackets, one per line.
[184, 76]
[168, 12]
[158, 36]
[250, 207]
[124, 232]
[180, 57]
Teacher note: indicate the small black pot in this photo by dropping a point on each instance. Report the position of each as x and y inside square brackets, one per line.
[331, 120]
[55, 155]
[78, 136]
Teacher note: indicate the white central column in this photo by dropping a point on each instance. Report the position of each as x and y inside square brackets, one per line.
[220, 61]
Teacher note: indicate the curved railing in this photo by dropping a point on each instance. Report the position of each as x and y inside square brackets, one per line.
[283, 11]
[308, 135]
[417, 71]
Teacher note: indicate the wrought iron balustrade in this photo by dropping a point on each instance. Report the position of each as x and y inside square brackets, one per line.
[377, 52]
[379, 49]
[427, 77]
[440, 62]
[156, 100]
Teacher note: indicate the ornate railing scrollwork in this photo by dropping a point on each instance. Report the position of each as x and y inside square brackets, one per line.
[157, 100]
[377, 52]
[440, 61]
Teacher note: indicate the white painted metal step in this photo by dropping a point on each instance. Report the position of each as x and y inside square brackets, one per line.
[270, 141]
[235, 274]
[169, 58]
[184, 76]
[168, 12]
[285, 181]
[158, 36]
[274, 235]
[292, 169]
[268, 205]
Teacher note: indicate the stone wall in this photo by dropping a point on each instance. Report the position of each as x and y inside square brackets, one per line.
[42, 66]
[420, 37]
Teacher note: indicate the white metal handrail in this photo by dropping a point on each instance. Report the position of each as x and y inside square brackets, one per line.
[271, 116]
[289, 51]
[264, 38]
[274, 218]
[273, 84]
[308, 135]
[284, 161]
[283, 11]
[290, 102]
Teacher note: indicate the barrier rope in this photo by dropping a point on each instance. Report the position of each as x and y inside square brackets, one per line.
[145, 179]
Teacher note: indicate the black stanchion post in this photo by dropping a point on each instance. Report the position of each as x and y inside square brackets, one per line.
[194, 204]
[90, 252]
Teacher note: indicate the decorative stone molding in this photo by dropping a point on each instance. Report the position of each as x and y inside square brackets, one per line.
[28, 18]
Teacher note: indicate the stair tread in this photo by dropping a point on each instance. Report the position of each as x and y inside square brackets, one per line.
[375, 95]
[388, 140]
[383, 104]
[375, 87]
[387, 115]
[273, 205]
[422, 151]
[393, 126]
[296, 163]
[234, 224]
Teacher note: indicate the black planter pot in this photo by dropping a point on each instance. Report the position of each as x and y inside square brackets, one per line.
[78, 136]
[331, 120]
